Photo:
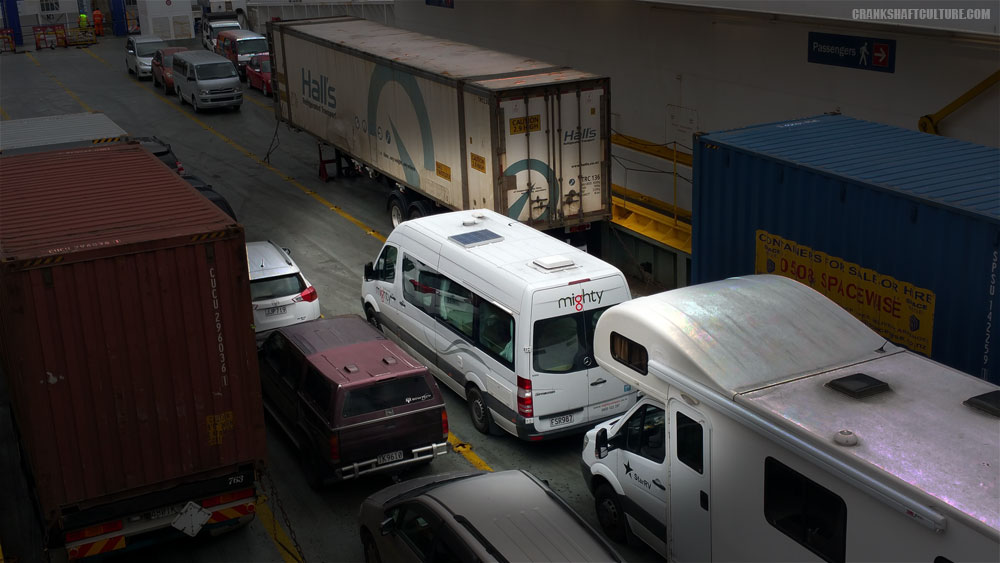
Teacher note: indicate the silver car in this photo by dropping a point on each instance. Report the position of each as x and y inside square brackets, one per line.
[476, 516]
[279, 293]
[139, 51]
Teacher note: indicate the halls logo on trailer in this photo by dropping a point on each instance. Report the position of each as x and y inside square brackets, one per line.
[318, 94]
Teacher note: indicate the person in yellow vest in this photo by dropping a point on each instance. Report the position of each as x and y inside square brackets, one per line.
[98, 22]
[83, 21]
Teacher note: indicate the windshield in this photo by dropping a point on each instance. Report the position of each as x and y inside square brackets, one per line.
[219, 28]
[215, 70]
[168, 61]
[386, 395]
[248, 46]
[265, 65]
[149, 49]
[564, 344]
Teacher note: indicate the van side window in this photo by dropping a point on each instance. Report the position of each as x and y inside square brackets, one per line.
[316, 390]
[645, 434]
[420, 285]
[456, 307]
[690, 442]
[629, 352]
[385, 266]
[496, 333]
[805, 511]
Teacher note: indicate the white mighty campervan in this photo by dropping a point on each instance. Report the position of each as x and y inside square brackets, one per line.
[777, 427]
[507, 313]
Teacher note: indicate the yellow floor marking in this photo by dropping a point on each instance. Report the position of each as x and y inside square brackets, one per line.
[33, 59]
[3, 114]
[72, 94]
[466, 451]
[285, 546]
[368, 230]
[103, 62]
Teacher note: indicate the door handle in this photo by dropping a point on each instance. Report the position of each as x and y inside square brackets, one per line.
[659, 484]
[704, 500]
[601, 381]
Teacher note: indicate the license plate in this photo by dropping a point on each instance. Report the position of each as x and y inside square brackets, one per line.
[390, 457]
[560, 420]
[274, 311]
[160, 513]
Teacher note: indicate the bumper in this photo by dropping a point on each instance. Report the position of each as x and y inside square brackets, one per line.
[143, 72]
[417, 455]
[219, 101]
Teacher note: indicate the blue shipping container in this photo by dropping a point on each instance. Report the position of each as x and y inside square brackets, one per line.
[901, 228]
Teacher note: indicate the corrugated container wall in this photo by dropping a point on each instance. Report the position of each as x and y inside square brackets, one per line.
[125, 327]
[900, 228]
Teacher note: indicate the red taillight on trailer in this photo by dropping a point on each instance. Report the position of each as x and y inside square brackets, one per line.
[309, 295]
[227, 498]
[525, 406]
[99, 530]
[444, 424]
[335, 448]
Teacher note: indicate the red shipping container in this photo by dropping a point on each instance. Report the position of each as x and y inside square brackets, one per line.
[125, 333]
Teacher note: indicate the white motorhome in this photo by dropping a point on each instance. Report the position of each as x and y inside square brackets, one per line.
[777, 427]
[506, 313]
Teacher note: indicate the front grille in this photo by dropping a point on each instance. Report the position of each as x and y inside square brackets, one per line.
[222, 91]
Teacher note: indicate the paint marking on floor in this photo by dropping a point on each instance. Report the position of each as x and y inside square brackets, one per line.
[465, 450]
[71, 94]
[277, 533]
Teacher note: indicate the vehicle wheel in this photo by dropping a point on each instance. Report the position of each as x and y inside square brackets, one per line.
[156, 83]
[481, 417]
[609, 512]
[194, 103]
[421, 209]
[396, 212]
[128, 68]
[371, 550]
[372, 319]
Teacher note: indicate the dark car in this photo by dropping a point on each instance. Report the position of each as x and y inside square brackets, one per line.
[163, 69]
[162, 151]
[476, 516]
[212, 195]
[350, 400]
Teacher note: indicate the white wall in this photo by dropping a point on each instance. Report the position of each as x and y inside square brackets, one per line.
[726, 69]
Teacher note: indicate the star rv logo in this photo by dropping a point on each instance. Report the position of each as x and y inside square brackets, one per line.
[577, 300]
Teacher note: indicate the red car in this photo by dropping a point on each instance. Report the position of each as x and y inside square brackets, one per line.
[163, 68]
[259, 73]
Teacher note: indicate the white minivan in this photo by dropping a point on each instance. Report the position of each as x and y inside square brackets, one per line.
[507, 314]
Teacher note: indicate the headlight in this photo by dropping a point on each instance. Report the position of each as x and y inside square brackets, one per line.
[586, 441]
[143, 65]
[203, 92]
[239, 90]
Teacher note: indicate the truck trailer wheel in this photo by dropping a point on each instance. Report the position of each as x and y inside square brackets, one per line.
[609, 512]
[421, 209]
[397, 211]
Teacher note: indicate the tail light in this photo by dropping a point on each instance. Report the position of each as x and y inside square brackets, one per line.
[444, 424]
[335, 448]
[98, 530]
[180, 168]
[309, 295]
[525, 406]
[227, 498]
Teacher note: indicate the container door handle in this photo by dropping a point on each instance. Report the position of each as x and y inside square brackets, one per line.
[601, 381]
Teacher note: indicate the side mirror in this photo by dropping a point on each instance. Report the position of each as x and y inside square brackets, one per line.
[131, 51]
[601, 444]
[288, 251]
[387, 526]
[369, 272]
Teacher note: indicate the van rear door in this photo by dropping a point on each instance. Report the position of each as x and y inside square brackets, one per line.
[568, 387]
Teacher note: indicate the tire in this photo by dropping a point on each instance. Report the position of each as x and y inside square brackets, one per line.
[312, 470]
[194, 103]
[166, 91]
[610, 513]
[156, 84]
[397, 213]
[372, 318]
[370, 549]
[478, 411]
[237, 107]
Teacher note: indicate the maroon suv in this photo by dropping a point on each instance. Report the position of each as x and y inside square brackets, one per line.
[352, 401]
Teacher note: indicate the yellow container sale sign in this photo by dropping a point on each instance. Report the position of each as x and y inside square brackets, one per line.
[899, 311]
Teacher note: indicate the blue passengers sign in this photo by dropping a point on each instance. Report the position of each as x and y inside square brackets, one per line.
[864, 53]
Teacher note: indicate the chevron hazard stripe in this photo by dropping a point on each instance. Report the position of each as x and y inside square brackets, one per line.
[96, 548]
[231, 512]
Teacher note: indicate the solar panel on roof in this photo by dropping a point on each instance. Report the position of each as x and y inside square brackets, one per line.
[476, 238]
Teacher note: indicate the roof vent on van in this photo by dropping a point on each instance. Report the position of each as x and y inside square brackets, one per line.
[988, 403]
[476, 238]
[554, 262]
[469, 222]
[858, 385]
[351, 368]
[389, 361]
